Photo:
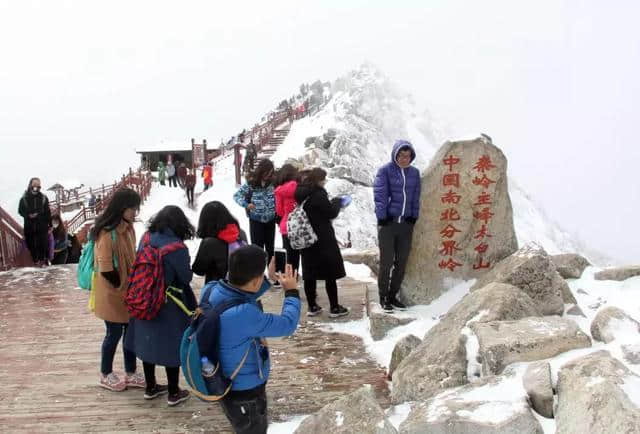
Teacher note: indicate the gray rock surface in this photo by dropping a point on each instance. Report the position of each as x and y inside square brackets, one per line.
[531, 270]
[631, 353]
[593, 397]
[369, 257]
[537, 383]
[525, 340]
[570, 265]
[621, 273]
[429, 270]
[440, 361]
[462, 411]
[381, 322]
[576, 311]
[402, 349]
[612, 321]
[357, 412]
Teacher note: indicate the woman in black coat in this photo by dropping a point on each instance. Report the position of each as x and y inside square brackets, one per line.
[321, 261]
[218, 229]
[34, 208]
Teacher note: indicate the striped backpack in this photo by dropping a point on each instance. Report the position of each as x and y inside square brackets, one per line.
[146, 291]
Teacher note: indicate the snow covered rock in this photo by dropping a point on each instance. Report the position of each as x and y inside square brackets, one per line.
[612, 323]
[597, 394]
[369, 257]
[631, 353]
[480, 408]
[381, 322]
[619, 274]
[537, 383]
[531, 270]
[440, 361]
[570, 265]
[402, 349]
[357, 412]
[466, 220]
[525, 340]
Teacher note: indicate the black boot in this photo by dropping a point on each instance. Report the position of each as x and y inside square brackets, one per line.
[386, 305]
[397, 304]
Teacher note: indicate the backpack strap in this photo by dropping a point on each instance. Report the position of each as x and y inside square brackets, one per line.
[171, 247]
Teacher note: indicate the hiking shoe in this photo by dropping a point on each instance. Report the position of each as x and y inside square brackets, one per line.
[112, 382]
[386, 306]
[155, 391]
[397, 304]
[177, 398]
[338, 311]
[314, 310]
[135, 380]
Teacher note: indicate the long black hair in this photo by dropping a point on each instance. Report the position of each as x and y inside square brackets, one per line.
[172, 217]
[112, 215]
[260, 173]
[288, 172]
[60, 232]
[214, 217]
[314, 177]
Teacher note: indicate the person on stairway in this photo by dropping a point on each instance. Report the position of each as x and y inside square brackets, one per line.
[34, 208]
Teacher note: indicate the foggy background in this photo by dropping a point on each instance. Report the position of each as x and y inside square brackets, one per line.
[83, 83]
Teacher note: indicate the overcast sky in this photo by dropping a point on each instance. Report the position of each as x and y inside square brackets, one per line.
[554, 83]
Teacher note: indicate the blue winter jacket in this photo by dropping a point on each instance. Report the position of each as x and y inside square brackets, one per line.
[396, 191]
[263, 198]
[241, 328]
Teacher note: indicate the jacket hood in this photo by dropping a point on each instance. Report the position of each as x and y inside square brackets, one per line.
[230, 291]
[401, 144]
[287, 189]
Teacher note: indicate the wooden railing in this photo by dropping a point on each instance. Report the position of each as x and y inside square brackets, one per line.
[11, 241]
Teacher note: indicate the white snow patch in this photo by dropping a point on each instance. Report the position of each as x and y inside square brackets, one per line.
[307, 360]
[398, 414]
[474, 368]
[623, 330]
[286, 427]
[631, 388]
[426, 316]
[593, 381]
[339, 418]
[494, 412]
[359, 272]
[548, 425]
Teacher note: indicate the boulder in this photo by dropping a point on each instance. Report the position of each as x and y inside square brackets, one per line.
[357, 412]
[525, 340]
[631, 353]
[369, 257]
[402, 349]
[531, 270]
[466, 220]
[381, 322]
[612, 323]
[619, 274]
[597, 394]
[440, 361]
[570, 265]
[479, 408]
[537, 384]
[576, 311]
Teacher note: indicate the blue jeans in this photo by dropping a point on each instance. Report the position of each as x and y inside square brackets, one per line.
[114, 332]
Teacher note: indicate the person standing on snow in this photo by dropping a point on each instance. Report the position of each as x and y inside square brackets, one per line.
[171, 174]
[190, 185]
[162, 172]
[396, 194]
[207, 174]
[34, 208]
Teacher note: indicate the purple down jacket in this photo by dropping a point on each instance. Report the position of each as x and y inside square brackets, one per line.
[396, 191]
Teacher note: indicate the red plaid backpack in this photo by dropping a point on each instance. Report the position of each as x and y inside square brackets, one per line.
[146, 291]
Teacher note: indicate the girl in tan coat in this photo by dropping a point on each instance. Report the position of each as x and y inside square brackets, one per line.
[114, 253]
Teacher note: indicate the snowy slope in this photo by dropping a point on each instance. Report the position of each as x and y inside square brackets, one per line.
[369, 113]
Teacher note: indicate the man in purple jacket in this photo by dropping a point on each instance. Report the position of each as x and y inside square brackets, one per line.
[396, 193]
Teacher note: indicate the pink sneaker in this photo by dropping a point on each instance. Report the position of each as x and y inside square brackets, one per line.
[135, 380]
[112, 382]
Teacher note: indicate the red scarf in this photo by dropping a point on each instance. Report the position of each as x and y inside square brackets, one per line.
[230, 233]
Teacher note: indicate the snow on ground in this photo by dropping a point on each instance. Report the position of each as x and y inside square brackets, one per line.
[286, 427]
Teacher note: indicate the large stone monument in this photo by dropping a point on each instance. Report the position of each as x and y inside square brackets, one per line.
[466, 220]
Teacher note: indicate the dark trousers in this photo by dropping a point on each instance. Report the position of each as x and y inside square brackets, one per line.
[190, 195]
[394, 240]
[206, 186]
[293, 256]
[247, 410]
[60, 257]
[331, 287]
[263, 235]
[173, 376]
[114, 332]
[162, 182]
[173, 181]
[38, 244]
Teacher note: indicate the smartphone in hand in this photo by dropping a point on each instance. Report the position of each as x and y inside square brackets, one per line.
[281, 259]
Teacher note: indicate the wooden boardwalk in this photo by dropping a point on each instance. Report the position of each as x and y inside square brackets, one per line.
[50, 357]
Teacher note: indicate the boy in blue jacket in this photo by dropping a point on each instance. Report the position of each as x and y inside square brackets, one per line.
[242, 329]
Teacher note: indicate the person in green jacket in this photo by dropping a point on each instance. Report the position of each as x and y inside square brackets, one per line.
[162, 172]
